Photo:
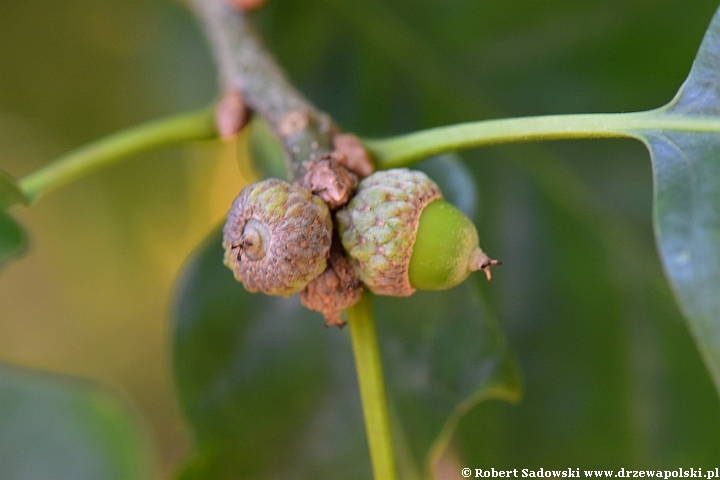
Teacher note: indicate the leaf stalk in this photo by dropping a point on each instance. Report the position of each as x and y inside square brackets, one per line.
[176, 129]
[404, 150]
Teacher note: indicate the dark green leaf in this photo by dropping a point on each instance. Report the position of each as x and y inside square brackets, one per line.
[613, 378]
[10, 192]
[54, 427]
[12, 239]
[267, 390]
[443, 354]
[271, 394]
[687, 200]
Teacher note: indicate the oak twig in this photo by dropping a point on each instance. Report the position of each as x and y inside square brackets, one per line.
[245, 65]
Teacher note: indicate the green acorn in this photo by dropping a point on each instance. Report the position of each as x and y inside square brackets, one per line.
[400, 235]
[277, 237]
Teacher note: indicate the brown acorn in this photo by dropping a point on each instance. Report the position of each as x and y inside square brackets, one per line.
[277, 237]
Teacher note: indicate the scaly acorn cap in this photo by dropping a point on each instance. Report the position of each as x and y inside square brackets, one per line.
[379, 224]
[277, 237]
[400, 235]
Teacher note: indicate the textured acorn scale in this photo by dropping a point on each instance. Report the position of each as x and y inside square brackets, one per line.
[336, 289]
[379, 225]
[277, 237]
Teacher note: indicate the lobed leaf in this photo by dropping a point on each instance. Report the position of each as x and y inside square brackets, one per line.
[686, 170]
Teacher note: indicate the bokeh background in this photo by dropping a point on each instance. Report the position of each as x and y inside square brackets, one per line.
[581, 294]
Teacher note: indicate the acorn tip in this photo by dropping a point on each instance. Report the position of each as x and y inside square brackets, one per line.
[481, 261]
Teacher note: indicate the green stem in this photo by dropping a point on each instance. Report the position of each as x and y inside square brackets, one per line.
[172, 130]
[372, 388]
[403, 150]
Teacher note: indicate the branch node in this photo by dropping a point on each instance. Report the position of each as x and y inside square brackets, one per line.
[231, 114]
[330, 179]
[357, 159]
[293, 122]
[246, 6]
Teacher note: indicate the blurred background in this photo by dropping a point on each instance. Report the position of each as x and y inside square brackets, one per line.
[610, 370]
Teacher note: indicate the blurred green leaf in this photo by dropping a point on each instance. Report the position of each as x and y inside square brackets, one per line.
[443, 354]
[266, 152]
[613, 378]
[269, 393]
[10, 192]
[53, 427]
[686, 168]
[12, 239]
[267, 390]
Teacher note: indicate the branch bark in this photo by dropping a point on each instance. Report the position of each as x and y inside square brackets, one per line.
[246, 66]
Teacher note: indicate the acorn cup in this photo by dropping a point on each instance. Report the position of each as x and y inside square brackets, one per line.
[277, 237]
[400, 235]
